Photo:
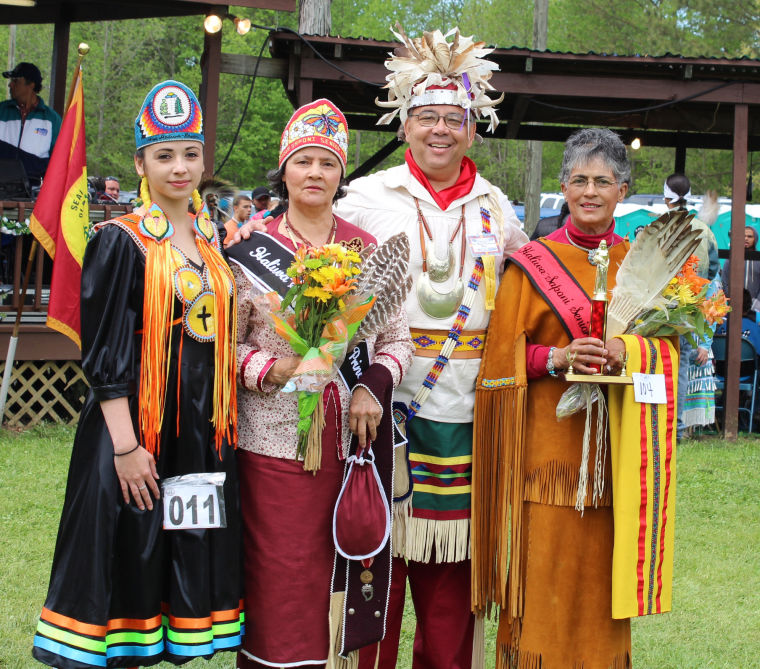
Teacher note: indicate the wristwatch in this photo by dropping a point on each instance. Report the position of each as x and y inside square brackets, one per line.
[550, 362]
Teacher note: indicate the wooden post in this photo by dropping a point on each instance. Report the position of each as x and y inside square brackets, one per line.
[680, 166]
[535, 149]
[57, 98]
[314, 17]
[211, 65]
[736, 279]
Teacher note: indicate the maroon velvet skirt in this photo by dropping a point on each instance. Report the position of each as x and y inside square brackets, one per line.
[288, 554]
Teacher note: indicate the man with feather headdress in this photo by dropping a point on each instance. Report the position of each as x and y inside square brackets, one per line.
[461, 229]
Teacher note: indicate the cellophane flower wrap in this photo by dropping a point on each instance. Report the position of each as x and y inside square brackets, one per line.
[318, 317]
[684, 308]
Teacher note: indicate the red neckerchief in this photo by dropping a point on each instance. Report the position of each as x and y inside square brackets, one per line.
[445, 197]
[584, 239]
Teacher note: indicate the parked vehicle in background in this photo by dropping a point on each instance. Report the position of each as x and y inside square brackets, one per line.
[544, 212]
[127, 196]
[551, 201]
[645, 199]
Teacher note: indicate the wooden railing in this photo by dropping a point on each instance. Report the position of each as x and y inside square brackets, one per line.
[38, 292]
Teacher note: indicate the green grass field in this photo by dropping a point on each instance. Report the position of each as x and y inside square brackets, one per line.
[716, 600]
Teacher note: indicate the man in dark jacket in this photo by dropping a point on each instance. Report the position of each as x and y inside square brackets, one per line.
[28, 127]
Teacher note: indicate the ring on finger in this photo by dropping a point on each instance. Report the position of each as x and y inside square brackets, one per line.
[142, 487]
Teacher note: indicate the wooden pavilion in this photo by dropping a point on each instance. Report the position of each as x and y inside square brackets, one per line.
[663, 100]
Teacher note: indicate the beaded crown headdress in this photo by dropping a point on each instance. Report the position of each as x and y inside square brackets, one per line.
[431, 70]
[171, 112]
[319, 123]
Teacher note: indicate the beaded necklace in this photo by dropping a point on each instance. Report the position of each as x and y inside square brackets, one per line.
[293, 233]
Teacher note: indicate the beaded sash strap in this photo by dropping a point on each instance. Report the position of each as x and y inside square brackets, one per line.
[456, 329]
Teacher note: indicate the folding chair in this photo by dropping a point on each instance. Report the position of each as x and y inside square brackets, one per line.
[748, 374]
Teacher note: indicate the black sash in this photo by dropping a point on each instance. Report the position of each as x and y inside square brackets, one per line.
[265, 261]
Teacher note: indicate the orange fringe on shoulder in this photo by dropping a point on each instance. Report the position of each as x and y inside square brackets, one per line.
[158, 319]
[158, 314]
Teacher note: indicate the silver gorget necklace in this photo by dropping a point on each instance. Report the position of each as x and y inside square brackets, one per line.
[434, 303]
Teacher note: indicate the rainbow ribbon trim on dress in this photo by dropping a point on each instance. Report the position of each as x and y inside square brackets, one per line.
[456, 329]
[139, 641]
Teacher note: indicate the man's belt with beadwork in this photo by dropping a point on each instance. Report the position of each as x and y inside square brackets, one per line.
[428, 343]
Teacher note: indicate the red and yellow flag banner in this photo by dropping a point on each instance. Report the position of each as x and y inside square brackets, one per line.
[643, 446]
[61, 217]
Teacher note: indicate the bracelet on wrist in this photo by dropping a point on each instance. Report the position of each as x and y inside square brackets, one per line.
[131, 450]
[550, 362]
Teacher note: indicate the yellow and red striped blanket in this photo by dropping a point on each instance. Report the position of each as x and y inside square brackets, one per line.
[643, 445]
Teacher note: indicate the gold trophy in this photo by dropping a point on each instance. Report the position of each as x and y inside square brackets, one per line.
[598, 325]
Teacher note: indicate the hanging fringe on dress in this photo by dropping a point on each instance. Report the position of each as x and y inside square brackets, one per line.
[479, 643]
[451, 539]
[507, 657]
[402, 513]
[699, 405]
[593, 393]
[334, 660]
[498, 450]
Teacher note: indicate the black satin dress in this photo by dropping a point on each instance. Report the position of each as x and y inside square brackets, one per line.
[123, 591]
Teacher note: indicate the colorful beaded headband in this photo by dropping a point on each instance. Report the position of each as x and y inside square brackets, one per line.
[170, 113]
[319, 123]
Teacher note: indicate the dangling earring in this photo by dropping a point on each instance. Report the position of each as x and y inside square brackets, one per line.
[145, 193]
[197, 201]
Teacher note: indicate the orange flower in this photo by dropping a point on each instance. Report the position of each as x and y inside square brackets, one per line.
[715, 308]
[340, 287]
[688, 276]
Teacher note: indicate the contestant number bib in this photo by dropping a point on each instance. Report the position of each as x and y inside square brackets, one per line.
[649, 388]
[193, 502]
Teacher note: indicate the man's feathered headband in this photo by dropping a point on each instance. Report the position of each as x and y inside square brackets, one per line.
[431, 70]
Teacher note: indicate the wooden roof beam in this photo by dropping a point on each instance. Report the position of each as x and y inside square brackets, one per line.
[518, 113]
[536, 84]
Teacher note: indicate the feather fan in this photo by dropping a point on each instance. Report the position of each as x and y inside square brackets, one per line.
[656, 256]
[385, 274]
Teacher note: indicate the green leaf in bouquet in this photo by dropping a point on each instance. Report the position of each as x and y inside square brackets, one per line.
[286, 301]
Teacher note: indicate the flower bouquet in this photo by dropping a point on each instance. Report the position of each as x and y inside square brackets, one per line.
[318, 317]
[687, 307]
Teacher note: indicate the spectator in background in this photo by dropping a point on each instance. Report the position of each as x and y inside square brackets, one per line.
[750, 328]
[111, 190]
[676, 190]
[696, 400]
[261, 199]
[28, 127]
[241, 212]
[551, 223]
[693, 370]
[751, 269]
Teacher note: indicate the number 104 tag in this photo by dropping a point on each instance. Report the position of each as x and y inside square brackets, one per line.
[193, 502]
[649, 388]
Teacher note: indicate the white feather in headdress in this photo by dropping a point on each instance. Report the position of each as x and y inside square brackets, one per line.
[431, 60]
[658, 253]
[385, 274]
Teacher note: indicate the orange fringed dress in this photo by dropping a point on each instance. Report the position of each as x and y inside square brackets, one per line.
[555, 588]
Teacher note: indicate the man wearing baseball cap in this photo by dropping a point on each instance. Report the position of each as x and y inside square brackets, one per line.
[28, 127]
